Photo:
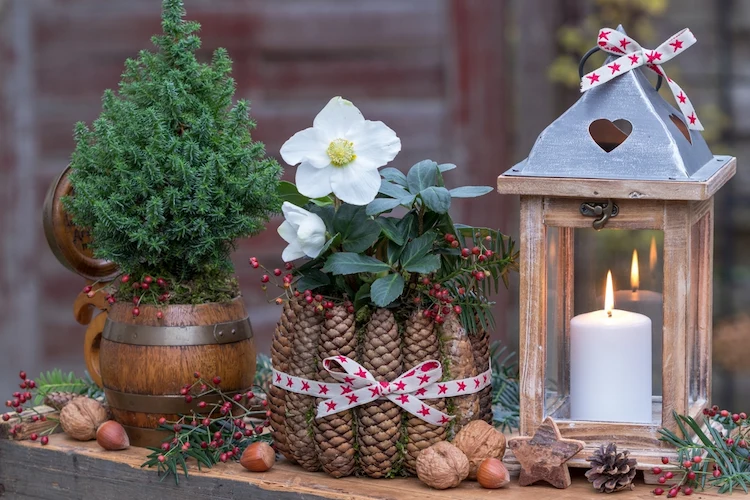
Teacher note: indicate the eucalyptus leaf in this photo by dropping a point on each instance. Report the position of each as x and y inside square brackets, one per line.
[470, 191]
[437, 199]
[390, 229]
[313, 279]
[417, 248]
[393, 190]
[352, 263]
[425, 265]
[446, 167]
[421, 176]
[380, 205]
[386, 289]
[394, 175]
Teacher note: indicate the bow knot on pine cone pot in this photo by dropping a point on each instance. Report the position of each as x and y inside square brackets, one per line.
[391, 293]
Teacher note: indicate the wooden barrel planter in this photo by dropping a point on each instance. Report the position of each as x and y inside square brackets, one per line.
[145, 361]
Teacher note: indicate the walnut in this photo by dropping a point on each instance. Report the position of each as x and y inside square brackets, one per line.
[81, 417]
[479, 440]
[442, 466]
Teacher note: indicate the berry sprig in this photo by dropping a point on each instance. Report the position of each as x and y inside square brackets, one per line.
[719, 458]
[219, 432]
[145, 290]
[23, 407]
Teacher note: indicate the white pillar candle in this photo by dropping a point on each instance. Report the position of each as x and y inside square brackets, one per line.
[610, 365]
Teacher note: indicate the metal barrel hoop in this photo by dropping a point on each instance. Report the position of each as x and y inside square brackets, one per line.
[594, 50]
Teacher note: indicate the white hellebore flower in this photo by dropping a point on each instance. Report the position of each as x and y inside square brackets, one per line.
[304, 231]
[341, 153]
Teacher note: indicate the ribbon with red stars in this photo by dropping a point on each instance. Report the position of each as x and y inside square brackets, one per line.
[359, 387]
[634, 56]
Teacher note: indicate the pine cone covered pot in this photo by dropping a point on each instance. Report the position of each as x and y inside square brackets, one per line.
[611, 471]
[480, 345]
[421, 344]
[58, 400]
[460, 360]
[281, 348]
[334, 434]
[300, 409]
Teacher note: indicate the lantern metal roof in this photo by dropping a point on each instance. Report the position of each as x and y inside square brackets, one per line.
[621, 130]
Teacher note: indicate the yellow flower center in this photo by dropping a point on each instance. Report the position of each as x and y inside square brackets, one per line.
[341, 152]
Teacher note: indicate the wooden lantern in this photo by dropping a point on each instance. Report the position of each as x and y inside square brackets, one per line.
[620, 159]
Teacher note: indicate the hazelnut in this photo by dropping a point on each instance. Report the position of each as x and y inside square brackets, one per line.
[112, 436]
[442, 466]
[258, 457]
[492, 474]
[81, 417]
[479, 440]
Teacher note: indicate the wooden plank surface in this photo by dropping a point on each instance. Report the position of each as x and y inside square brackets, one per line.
[67, 469]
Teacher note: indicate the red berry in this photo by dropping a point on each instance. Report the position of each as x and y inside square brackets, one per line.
[711, 413]
[250, 395]
[691, 475]
[165, 446]
[148, 279]
[177, 427]
[145, 286]
[664, 460]
[22, 385]
[237, 397]
[669, 475]
[202, 404]
[742, 443]
[455, 244]
[724, 413]
[705, 411]
[237, 435]
[688, 491]
[480, 275]
[136, 311]
[45, 440]
[161, 282]
[188, 398]
[425, 280]
[87, 289]
[743, 415]
[439, 320]
[288, 266]
[736, 417]
[658, 491]
[717, 473]
[476, 250]
[309, 299]
[162, 421]
[730, 442]
[715, 408]
[277, 272]
[6, 417]
[264, 278]
[318, 298]
[673, 493]
[457, 309]
[687, 464]
[697, 459]
[662, 480]
[656, 470]
[465, 252]
[125, 278]
[216, 380]
[161, 458]
[206, 422]
[436, 286]
[223, 457]
[22, 375]
[34, 436]
[255, 264]
[43, 418]
[159, 315]
[482, 258]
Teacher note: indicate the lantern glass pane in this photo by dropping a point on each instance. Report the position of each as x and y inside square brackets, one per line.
[601, 367]
[699, 312]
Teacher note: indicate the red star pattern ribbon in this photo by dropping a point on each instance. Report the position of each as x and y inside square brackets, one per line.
[634, 56]
[359, 387]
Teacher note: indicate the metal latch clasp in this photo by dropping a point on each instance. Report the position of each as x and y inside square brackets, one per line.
[603, 211]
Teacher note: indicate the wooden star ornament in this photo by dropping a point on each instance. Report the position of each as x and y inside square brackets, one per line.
[543, 456]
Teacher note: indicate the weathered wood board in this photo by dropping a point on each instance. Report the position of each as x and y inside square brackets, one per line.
[67, 469]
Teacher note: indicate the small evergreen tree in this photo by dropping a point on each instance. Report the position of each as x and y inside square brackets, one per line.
[169, 177]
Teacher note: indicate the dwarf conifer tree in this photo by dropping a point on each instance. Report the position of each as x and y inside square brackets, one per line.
[168, 177]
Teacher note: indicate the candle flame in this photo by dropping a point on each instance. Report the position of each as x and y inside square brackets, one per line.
[609, 295]
[652, 255]
[635, 280]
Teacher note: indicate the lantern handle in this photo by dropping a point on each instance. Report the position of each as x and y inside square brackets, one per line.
[594, 50]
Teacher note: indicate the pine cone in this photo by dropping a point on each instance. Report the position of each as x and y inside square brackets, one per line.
[334, 434]
[421, 344]
[58, 400]
[480, 345]
[611, 471]
[460, 356]
[281, 349]
[379, 422]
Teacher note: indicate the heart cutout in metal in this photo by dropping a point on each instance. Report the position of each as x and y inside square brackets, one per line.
[608, 135]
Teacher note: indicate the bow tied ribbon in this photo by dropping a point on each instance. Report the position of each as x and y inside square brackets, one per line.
[358, 386]
[632, 56]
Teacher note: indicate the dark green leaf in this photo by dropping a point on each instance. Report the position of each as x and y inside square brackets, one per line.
[313, 279]
[332, 242]
[417, 248]
[394, 252]
[380, 205]
[390, 229]
[437, 199]
[424, 265]
[421, 176]
[394, 175]
[288, 192]
[360, 298]
[470, 191]
[409, 226]
[386, 289]
[352, 263]
[444, 167]
[358, 231]
[393, 190]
